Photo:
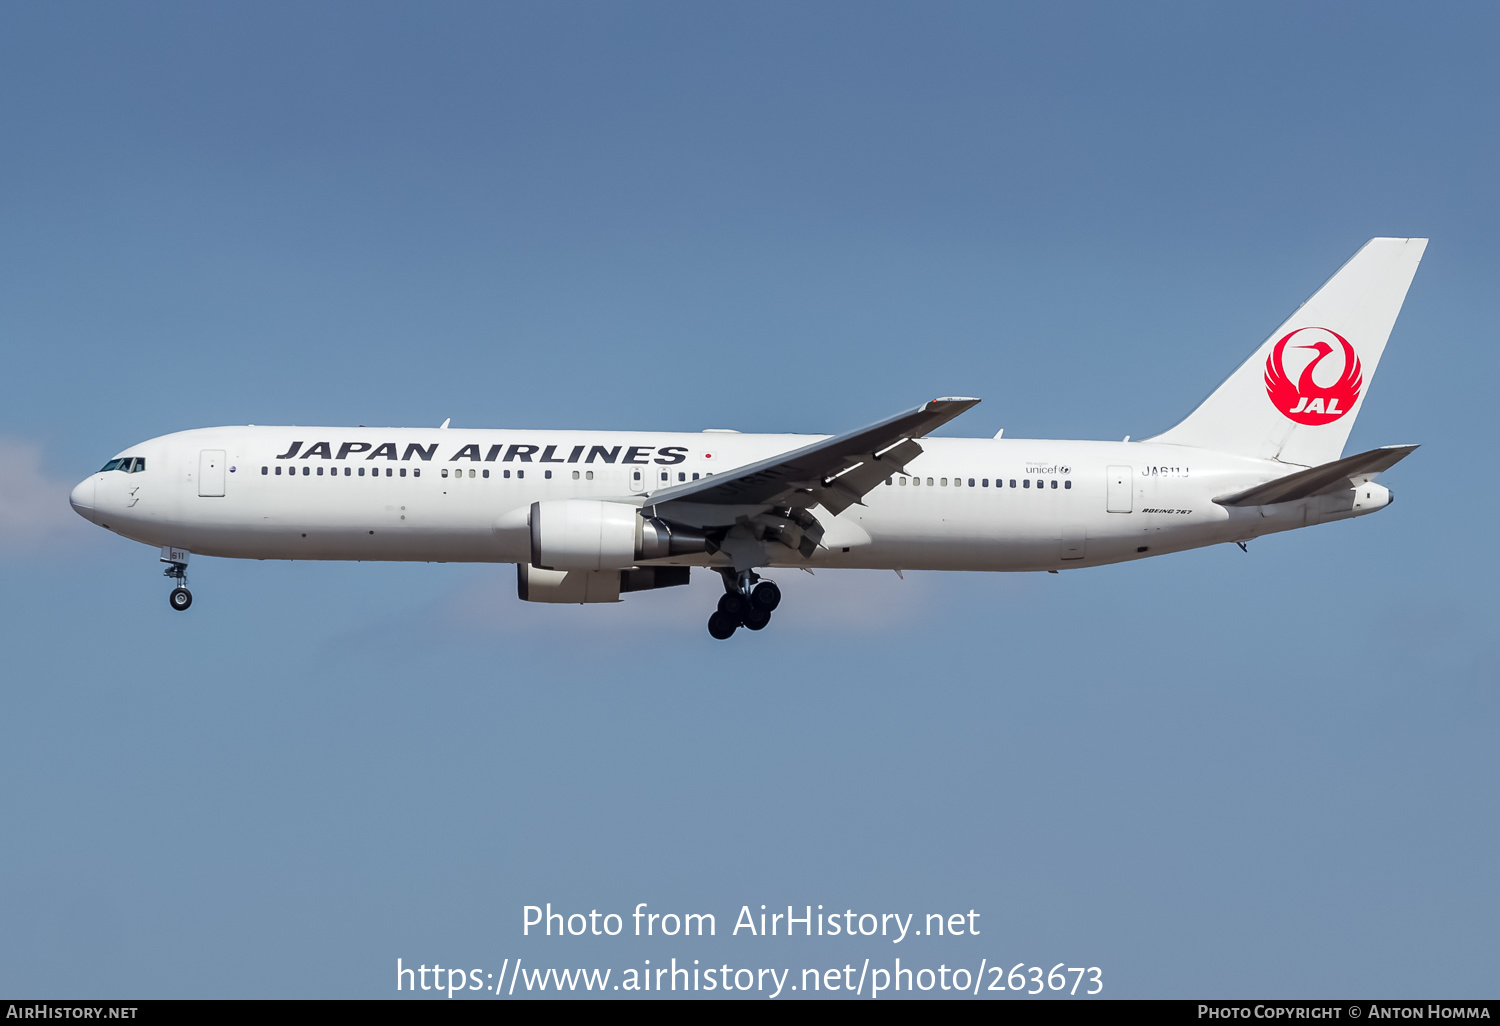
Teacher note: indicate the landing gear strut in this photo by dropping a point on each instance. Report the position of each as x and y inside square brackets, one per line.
[180, 598]
[748, 602]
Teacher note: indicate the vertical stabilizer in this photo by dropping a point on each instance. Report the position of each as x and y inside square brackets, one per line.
[1295, 400]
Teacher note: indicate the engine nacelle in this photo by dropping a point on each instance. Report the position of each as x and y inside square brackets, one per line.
[583, 586]
[583, 534]
[590, 534]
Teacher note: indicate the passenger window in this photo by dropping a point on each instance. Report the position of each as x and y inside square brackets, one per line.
[471, 473]
[1012, 482]
[320, 471]
[984, 482]
[971, 482]
[1054, 482]
[547, 474]
[507, 473]
[403, 471]
[487, 472]
[306, 470]
[520, 474]
[588, 475]
[361, 471]
[445, 471]
[387, 471]
[889, 480]
[278, 471]
[265, 470]
[1067, 485]
[929, 482]
[695, 476]
[1026, 483]
[681, 476]
[903, 482]
[943, 481]
[575, 475]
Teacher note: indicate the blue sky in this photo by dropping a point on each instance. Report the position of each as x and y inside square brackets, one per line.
[1209, 774]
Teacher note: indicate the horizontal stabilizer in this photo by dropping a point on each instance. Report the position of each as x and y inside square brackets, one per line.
[1330, 477]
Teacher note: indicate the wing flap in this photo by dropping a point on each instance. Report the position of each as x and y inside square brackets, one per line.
[850, 487]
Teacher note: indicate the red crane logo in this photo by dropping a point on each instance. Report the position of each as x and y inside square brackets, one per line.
[1308, 402]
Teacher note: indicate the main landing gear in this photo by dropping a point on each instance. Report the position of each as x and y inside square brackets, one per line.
[748, 602]
[180, 598]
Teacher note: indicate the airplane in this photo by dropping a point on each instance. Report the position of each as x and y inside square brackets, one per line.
[588, 516]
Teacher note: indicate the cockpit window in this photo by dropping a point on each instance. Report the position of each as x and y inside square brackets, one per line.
[129, 464]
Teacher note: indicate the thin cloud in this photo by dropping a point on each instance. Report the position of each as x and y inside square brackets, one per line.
[34, 510]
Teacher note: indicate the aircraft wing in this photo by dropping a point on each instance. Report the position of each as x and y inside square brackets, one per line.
[834, 473]
[1330, 477]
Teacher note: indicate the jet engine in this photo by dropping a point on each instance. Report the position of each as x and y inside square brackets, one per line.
[590, 534]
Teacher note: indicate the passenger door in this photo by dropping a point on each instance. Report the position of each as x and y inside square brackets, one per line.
[1119, 490]
[211, 472]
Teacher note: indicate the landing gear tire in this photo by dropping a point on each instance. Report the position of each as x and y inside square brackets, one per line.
[756, 619]
[734, 606]
[180, 599]
[766, 597]
[721, 626]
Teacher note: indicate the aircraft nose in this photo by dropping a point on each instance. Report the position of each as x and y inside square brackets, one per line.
[82, 499]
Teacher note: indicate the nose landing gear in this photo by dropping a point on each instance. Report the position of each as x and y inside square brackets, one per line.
[748, 602]
[176, 560]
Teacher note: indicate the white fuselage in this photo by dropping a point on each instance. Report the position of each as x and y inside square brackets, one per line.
[461, 495]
